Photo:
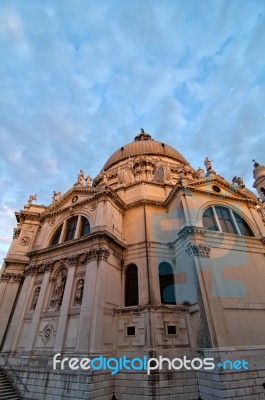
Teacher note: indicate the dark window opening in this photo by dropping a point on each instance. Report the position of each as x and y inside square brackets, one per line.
[243, 226]
[71, 228]
[131, 286]
[216, 189]
[225, 219]
[85, 227]
[171, 330]
[209, 221]
[229, 220]
[167, 284]
[130, 330]
[56, 236]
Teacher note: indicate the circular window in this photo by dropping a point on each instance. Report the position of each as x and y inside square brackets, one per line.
[216, 189]
[74, 199]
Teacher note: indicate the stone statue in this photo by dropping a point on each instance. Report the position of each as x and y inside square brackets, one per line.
[159, 171]
[208, 164]
[101, 179]
[200, 173]
[79, 291]
[167, 173]
[56, 196]
[60, 284]
[35, 297]
[104, 177]
[31, 198]
[120, 176]
[81, 178]
[238, 182]
[88, 181]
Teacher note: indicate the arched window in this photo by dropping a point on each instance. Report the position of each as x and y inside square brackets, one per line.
[223, 219]
[70, 228]
[73, 228]
[167, 284]
[131, 286]
[56, 236]
[85, 227]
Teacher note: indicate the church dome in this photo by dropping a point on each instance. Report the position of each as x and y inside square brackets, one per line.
[144, 144]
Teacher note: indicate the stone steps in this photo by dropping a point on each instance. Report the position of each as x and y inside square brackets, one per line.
[6, 390]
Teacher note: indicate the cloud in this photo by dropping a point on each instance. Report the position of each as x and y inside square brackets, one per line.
[79, 79]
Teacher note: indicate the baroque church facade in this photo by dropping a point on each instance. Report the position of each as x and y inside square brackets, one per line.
[151, 258]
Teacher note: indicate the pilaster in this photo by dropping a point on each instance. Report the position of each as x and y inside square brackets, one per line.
[63, 318]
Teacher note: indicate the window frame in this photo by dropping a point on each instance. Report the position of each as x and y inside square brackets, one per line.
[134, 290]
[170, 276]
[62, 230]
[233, 221]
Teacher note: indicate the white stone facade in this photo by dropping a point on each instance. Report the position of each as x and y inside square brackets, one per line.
[154, 258]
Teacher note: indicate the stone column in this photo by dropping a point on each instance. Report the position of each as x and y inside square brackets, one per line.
[37, 312]
[78, 227]
[63, 318]
[98, 308]
[18, 317]
[9, 287]
[86, 312]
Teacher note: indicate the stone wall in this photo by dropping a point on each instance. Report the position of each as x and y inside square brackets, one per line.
[44, 383]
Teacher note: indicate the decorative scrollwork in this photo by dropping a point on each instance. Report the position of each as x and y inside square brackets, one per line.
[201, 249]
[11, 277]
[24, 241]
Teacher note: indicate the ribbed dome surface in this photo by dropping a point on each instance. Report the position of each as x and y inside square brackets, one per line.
[140, 146]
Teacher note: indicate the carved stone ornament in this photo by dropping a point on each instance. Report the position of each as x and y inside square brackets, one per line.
[24, 241]
[16, 232]
[11, 277]
[261, 210]
[99, 253]
[35, 298]
[47, 333]
[52, 221]
[93, 206]
[125, 174]
[58, 291]
[88, 181]
[79, 292]
[238, 182]
[73, 259]
[74, 199]
[80, 179]
[31, 198]
[200, 173]
[188, 231]
[56, 196]
[101, 179]
[39, 268]
[201, 249]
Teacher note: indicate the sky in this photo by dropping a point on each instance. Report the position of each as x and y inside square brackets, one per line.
[79, 78]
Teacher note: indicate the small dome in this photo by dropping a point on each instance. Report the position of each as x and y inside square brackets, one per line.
[259, 170]
[144, 144]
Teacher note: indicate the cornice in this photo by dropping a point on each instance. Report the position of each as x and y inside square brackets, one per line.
[55, 209]
[72, 243]
[98, 253]
[11, 277]
[21, 216]
[10, 261]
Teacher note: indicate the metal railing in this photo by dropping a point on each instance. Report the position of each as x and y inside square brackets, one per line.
[13, 370]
